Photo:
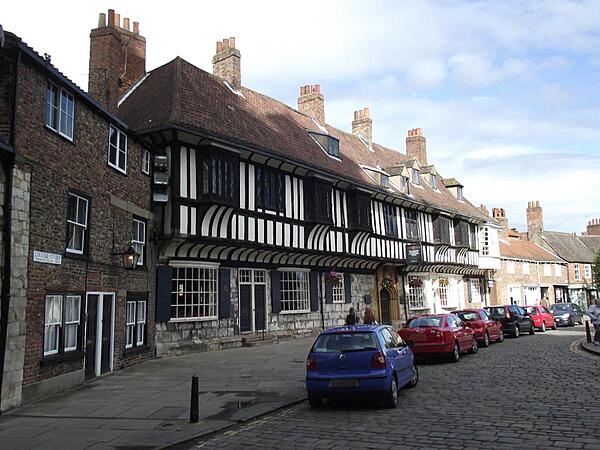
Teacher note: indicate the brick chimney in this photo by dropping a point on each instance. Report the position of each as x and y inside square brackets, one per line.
[362, 125]
[416, 146]
[500, 216]
[535, 219]
[312, 103]
[117, 59]
[226, 63]
[593, 227]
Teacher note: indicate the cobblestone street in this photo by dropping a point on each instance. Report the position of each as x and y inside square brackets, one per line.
[533, 392]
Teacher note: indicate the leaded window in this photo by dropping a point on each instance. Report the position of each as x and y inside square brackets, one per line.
[412, 224]
[390, 220]
[77, 223]
[441, 230]
[416, 296]
[359, 210]
[218, 177]
[318, 200]
[60, 111]
[461, 233]
[194, 293]
[270, 189]
[295, 292]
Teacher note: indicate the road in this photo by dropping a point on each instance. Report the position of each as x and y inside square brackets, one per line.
[534, 392]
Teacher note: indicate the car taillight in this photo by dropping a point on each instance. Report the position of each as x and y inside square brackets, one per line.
[378, 361]
[508, 315]
[311, 363]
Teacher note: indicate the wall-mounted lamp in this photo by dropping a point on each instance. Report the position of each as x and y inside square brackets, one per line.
[130, 258]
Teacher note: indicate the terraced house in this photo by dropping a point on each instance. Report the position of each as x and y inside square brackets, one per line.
[78, 279]
[271, 221]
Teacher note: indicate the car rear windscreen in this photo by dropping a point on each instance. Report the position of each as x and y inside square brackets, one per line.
[418, 322]
[497, 312]
[345, 342]
[468, 316]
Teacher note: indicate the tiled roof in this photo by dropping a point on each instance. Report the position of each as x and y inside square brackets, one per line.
[519, 249]
[591, 242]
[179, 94]
[568, 246]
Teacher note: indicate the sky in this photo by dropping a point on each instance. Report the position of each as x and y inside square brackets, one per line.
[507, 92]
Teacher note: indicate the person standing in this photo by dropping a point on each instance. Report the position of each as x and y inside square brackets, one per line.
[594, 313]
[351, 318]
[369, 317]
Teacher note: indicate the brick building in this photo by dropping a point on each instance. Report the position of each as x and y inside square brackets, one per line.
[528, 274]
[79, 194]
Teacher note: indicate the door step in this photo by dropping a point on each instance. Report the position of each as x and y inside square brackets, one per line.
[255, 340]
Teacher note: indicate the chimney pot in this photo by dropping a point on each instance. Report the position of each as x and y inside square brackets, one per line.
[117, 20]
[225, 44]
[219, 47]
[312, 103]
[102, 20]
[111, 17]
[136, 27]
[126, 24]
[232, 42]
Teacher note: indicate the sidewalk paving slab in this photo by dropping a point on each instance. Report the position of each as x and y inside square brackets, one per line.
[146, 406]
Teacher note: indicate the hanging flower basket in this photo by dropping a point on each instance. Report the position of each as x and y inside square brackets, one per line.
[415, 282]
[333, 277]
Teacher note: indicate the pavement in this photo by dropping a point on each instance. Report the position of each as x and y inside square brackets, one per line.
[591, 348]
[147, 406]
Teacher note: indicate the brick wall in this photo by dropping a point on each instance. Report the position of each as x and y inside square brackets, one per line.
[57, 166]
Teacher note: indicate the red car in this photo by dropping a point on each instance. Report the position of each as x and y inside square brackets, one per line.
[542, 318]
[439, 334]
[485, 329]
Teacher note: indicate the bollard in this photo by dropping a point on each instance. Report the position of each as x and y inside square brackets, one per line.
[194, 412]
[588, 333]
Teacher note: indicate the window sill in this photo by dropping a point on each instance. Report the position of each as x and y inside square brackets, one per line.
[136, 350]
[59, 134]
[60, 358]
[70, 255]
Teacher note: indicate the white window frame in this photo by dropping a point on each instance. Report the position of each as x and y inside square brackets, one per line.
[577, 272]
[416, 177]
[203, 300]
[295, 290]
[138, 241]
[547, 270]
[135, 323]
[129, 323]
[416, 297]
[73, 223]
[145, 165]
[115, 150]
[587, 272]
[60, 111]
[510, 267]
[443, 285]
[557, 270]
[140, 323]
[525, 268]
[60, 323]
[484, 241]
[337, 291]
[475, 290]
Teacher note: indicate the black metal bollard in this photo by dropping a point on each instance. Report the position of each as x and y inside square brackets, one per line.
[194, 410]
[588, 333]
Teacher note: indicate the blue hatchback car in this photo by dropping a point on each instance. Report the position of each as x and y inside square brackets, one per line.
[359, 360]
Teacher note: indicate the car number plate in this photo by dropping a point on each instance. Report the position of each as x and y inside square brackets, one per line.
[343, 383]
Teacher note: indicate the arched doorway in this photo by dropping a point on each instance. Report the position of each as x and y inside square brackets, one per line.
[385, 304]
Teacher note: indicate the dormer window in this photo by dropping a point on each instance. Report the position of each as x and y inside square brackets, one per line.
[433, 181]
[459, 193]
[416, 177]
[384, 179]
[328, 143]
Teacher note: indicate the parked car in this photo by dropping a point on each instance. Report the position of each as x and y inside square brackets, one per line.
[486, 330]
[439, 334]
[567, 314]
[542, 318]
[513, 318]
[359, 360]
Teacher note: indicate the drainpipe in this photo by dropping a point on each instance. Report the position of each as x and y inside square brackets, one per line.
[321, 294]
[8, 164]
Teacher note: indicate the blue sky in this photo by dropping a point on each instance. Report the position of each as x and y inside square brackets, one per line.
[507, 93]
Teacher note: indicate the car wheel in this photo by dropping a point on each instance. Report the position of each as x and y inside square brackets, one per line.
[455, 355]
[516, 331]
[543, 327]
[486, 340]
[571, 322]
[501, 337]
[474, 347]
[414, 379]
[554, 326]
[391, 400]
[315, 401]
[531, 328]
